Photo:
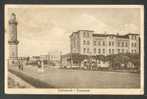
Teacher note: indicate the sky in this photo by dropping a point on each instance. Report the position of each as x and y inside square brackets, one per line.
[42, 30]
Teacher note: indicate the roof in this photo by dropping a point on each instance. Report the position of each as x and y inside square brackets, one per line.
[116, 35]
[85, 30]
[100, 35]
[106, 35]
[79, 31]
[73, 33]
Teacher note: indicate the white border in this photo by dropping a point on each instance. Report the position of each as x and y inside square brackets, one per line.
[116, 91]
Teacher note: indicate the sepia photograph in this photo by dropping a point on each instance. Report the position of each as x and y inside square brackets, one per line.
[74, 49]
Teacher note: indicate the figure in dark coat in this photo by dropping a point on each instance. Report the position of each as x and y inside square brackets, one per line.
[20, 65]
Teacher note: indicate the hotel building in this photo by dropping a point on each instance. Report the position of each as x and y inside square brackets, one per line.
[89, 43]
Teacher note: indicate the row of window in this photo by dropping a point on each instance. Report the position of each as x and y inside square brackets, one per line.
[86, 42]
[111, 43]
[86, 50]
[86, 34]
[122, 51]
[103, 51]
[99, 43]
[133, 51]
[122, 44]
[133, 37]
[133, 44]
[99, 51]
[126, 51]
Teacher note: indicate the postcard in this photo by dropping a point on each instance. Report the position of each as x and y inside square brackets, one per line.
[74, 49]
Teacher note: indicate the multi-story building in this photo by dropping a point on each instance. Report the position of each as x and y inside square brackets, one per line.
[87, 42]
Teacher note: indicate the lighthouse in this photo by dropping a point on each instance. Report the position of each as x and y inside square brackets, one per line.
[12, 41]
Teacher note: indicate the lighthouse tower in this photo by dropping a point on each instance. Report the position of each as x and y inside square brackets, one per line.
[12, 41]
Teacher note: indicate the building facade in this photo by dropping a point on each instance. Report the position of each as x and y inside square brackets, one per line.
[87, 42]
[88, 48]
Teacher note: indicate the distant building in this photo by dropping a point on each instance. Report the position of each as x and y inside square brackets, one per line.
[54, 56]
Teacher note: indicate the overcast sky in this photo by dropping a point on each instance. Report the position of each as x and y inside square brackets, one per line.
[41, 30]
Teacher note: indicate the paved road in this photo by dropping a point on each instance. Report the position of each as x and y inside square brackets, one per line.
[61, 78]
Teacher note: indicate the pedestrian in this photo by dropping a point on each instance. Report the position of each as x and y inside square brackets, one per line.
[19, 64]
[39, 63]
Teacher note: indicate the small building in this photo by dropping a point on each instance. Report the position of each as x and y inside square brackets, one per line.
[74, 60]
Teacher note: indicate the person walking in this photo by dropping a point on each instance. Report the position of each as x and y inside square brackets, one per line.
[39, 63]
[19, 64]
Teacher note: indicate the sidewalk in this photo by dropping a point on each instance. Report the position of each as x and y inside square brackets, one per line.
[17, 82]
[30, 75]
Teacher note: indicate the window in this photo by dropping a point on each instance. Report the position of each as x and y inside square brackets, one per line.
[126, 44]
[94, 43]
[109, 51]
[109, 43]
[118, 50]
[87, 50]
[103, 51]
[122, 44]
[132, 37]
[12, 62]
[112, 51]
[135, 37]
[99, 51]
[103, 43]
[99, 43]
[118, 44]
[132, 51]
[112, 43]
[84, 50]
[134, 44]
[87, 34]
[84, 34]
[94, 50]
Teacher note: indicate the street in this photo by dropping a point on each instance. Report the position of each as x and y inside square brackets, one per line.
[62, 78]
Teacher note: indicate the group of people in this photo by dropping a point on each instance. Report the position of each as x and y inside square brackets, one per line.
[21, 64]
